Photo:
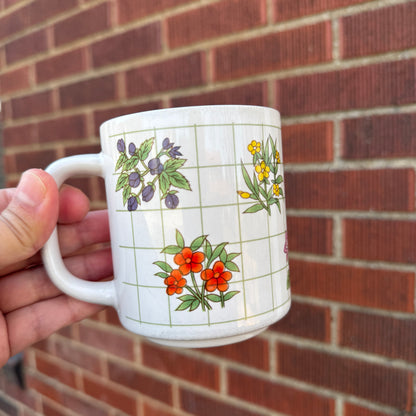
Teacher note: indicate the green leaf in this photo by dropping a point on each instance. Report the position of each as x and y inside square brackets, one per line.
[279, 179]
[172, 250]
[187, 297]
[231, 266]
[121, 160]
[164, 266]
[122, 181]
[232, 256]
[263, 193]
[208, 249]
[223, 256]
[230, 295]
[162, 275]
[178, 180]
[197, 243]
[145, 149]
[256, 185]
[253, 208]
[179, 239]
[164, 183]
[184, 305]
[131, 163]
[218, 250]
[247, 179]
[126, 194]
[214, 298]
[172, 165]
[194, 305]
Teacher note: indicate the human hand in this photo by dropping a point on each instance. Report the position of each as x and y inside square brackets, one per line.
[31, 307]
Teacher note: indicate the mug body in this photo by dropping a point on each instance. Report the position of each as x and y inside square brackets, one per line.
[197, 213]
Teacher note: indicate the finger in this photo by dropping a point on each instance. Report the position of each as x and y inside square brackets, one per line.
[30, 286]
[29, 218]
[39, 320]
[73, 205]
[93, 229]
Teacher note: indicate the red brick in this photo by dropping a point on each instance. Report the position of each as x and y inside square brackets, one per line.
[150, 409]
[50, 409]
[129, 10]
[109, 341]
[310, 234]
[106, 393]
[374, 382]
[59, 66]
[34, 159]
[47, 389]
[32, 105]
[18, 79]
[88, 92]
[199, 405]
[177, 73]
[308, 143]
[355, 410]
[55, 370]
[352, 190]
[9, 409]
[368, 287]
[250, 94]
[87, 22]
[83, 407]
[385, 240]
[24, 396]
[278, 397]
[26, 46]
[306, 321]
[297, 47]
[206, 22]
[253, 352]
[385, 84]
[131, 44]
[377, 334]
[290, 9]
[63, 128]
[20, 135]
[103, 115]
[34, 13]
[386, 136]
[179, 365]
[140, 382]
[69, 352]
[370, 32]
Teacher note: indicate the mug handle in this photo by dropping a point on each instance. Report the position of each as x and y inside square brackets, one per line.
[93, 292]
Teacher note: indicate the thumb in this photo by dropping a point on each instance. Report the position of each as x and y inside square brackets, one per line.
[30, 217]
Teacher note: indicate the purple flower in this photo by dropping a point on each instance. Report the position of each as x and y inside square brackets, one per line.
[132, 148]
[155, 166]
[121, 147]
[148, 193]
[132, 203]
[174, 153]
[166, 144]
[134, 179]
[171, 201]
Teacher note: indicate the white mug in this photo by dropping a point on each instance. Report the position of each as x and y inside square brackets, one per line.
[196, 204]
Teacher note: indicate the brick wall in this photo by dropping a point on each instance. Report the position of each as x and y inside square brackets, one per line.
[342, 73]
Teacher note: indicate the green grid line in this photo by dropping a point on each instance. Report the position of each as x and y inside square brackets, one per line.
[215, 323]
[192, 126]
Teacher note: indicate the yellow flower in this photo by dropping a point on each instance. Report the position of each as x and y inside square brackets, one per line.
[244, 195]
[277, 156]
[262, 171]
[254, 147]
[276, 189]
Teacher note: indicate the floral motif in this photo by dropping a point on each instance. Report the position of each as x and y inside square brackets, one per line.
[265, 185]
[195, 260]
[162, 169]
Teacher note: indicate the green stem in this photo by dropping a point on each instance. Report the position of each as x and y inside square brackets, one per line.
[197, 290]
[222, 299]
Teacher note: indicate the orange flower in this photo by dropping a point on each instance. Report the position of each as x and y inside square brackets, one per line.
[175, 282]
[216, 278]
[189, 261]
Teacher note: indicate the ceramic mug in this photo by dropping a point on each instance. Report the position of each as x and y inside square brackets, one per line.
[196, 204]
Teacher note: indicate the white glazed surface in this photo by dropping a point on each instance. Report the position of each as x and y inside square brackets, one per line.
[213, 145]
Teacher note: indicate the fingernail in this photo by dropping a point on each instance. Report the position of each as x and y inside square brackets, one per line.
[30, 190]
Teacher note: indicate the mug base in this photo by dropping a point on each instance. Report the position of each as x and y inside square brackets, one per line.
[207, 343]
